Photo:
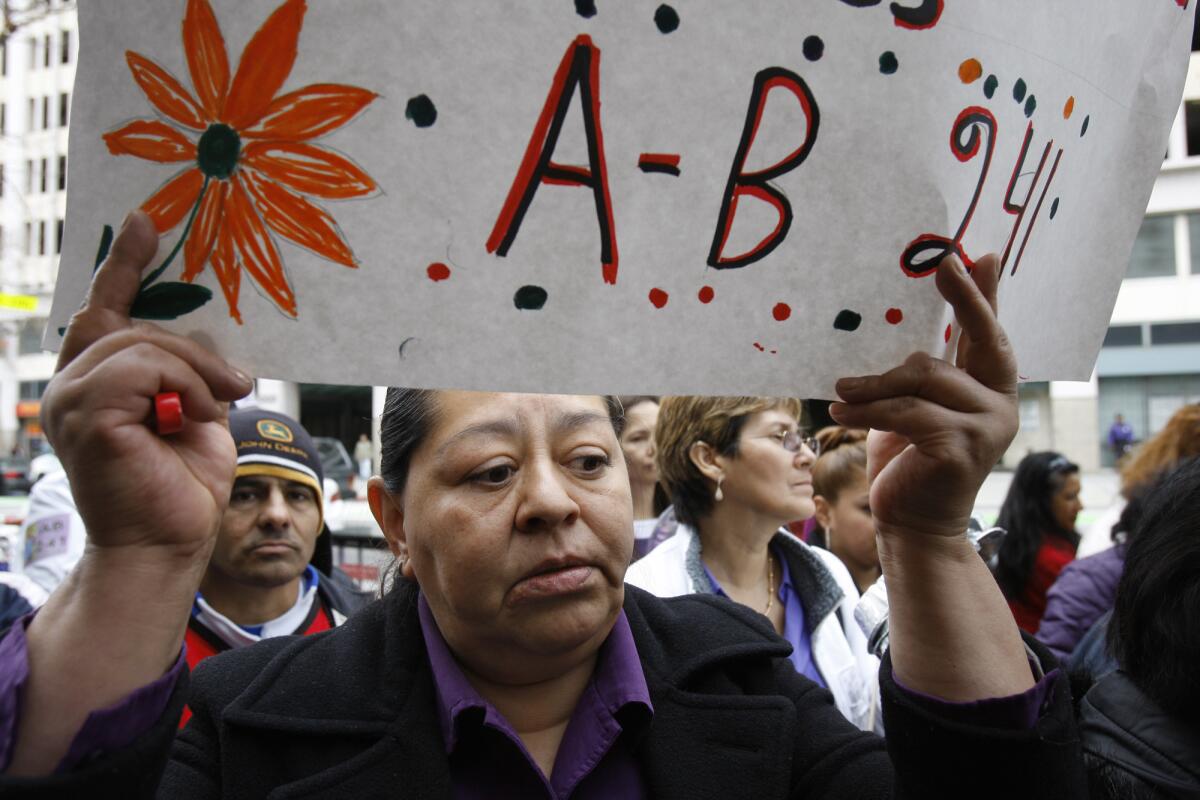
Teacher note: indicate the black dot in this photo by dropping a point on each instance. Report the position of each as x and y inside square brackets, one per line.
[585, 8]
[847, 320]
[814, 48]
[530, 298]
[666, 18]
[989, 86]
[1086, 120]
[421, 111]
[888, 63]
[1019, 90]
[1030, 105]
[1054, 208]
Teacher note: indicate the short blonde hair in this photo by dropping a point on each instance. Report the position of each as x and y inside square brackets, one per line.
[717, 421]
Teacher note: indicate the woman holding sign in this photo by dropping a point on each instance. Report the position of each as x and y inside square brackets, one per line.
[510, 659]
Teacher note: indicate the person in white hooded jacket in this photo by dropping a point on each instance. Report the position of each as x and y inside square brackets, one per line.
[737, 470]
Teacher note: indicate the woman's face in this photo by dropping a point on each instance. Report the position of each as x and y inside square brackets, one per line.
[764, 476]
[516, 518]
[1065, 504]
[637, 442]
[850, 528]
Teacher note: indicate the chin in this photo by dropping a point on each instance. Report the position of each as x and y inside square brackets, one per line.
[564, 629]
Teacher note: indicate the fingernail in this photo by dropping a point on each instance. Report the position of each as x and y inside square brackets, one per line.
[848, 384]
[126, 222]
[241, 376]
[835, 409]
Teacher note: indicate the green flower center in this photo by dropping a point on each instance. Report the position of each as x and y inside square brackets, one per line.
[218, 151]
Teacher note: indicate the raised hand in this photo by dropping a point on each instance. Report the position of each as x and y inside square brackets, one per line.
[152, 505]
[938, 429]
[133, 487]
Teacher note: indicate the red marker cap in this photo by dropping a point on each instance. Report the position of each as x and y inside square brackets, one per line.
[168, 413]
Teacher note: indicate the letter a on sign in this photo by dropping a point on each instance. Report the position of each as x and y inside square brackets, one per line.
[580, 68]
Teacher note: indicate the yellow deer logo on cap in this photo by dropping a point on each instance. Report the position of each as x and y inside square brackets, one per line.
[275, 430]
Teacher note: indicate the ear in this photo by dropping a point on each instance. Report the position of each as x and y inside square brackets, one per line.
[710, 463]
[824, 511]
[389, 515]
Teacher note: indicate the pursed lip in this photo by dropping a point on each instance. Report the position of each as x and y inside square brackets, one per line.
[554, 565]
[551, 578]
[273, 545]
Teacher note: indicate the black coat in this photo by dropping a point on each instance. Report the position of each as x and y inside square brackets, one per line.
[351, 713]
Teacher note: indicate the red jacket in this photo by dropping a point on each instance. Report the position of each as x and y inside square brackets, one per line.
[1054, 554]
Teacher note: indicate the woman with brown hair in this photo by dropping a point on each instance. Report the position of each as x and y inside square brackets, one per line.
[738, 469]
[843, 501]
[637, 445]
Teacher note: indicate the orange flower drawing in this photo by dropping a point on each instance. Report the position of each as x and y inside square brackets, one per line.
[250, 158]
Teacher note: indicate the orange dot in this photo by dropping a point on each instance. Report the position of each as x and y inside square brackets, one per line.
[1069, 108]
[970, 70]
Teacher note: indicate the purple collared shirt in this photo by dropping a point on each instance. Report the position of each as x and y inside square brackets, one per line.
[487, 757]
[794, 629]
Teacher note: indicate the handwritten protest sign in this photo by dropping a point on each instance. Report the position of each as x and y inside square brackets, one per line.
[701, 196]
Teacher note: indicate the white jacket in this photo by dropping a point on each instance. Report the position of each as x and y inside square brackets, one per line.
[827, 592]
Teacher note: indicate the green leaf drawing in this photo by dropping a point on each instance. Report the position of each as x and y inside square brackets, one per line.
[169, 300]
[106, 240]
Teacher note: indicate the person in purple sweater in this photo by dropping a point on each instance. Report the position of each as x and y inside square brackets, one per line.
[510, 659]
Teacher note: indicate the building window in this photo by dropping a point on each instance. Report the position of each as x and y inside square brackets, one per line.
[31, 120]
[28, 238]
[46, 113]
[42, 238]
[32, 390]
[32, 53]
[3, 118]
[65, 47]
[64, 107]
[1194, 238]
[45, 175]
[46, 52]
[1, 180]
[62, 173]
[58, 234]
[1154, 249]
[1175, 333]
[1192, 124]
[3, 59]
[28, 176]
[1123, 336]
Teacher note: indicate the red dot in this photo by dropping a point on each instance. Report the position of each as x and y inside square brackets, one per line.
[706, 294]
[759, 347]
[894, 315]
[658, 297]
[947, 333]
[781, 311]
[438, 272]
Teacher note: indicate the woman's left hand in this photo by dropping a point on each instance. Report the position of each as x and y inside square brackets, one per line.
[938, 429]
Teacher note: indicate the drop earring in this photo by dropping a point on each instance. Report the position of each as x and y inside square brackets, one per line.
[718, 495]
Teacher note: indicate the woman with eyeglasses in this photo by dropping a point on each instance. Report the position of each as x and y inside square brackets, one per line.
[1038, 514]
[738, 469]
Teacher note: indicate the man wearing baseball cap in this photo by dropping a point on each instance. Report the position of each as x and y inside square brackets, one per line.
[269, 574]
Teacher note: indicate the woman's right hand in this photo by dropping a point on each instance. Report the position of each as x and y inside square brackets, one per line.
[133, 487]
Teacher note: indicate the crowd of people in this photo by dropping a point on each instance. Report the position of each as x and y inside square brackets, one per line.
[597, 596]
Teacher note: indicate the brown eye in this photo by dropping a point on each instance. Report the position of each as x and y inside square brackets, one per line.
[493, 476]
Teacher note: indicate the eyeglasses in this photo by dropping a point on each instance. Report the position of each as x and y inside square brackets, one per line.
[792, 441]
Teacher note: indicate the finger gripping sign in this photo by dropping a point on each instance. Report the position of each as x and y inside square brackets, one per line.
[617, 197]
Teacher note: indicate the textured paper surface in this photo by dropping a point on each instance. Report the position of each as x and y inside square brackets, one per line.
[1025, 126]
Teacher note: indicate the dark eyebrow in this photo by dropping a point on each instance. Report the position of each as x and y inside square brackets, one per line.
[499, 427]
[579, 419]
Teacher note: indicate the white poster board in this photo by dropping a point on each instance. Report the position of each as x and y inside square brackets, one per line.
[695, 197]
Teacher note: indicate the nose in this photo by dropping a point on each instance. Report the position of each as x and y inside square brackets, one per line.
[545, 502]
[805, 457]
[273, 514]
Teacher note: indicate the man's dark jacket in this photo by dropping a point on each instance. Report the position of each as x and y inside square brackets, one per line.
[352, 713]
